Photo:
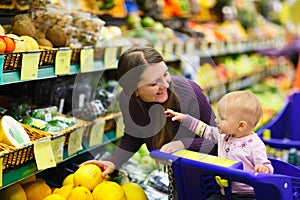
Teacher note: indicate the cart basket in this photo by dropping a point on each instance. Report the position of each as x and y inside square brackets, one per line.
[187, 166]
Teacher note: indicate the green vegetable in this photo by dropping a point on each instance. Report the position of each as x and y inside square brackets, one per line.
[56, 125]
[45, 113]
[70, 121]
[39, 124]
[38, 114]
[27, 120]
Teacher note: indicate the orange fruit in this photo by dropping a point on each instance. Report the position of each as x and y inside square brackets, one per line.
[20, 45]
[2, 45]
[10, 44]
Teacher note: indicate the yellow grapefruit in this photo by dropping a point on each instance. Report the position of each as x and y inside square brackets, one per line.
[108, 190]
[134, 192]
[54, 197]
[88, 175]
[81, 193]
[37, 190]
[68, 180]
[64, 191]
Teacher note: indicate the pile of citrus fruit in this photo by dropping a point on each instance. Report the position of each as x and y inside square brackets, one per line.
[86, 183]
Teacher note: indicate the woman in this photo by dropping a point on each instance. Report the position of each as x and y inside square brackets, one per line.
[148, 90]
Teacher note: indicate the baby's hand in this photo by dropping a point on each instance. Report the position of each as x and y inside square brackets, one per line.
[176, 116]
[260, 168]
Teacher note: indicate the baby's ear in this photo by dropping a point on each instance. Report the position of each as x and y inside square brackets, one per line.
[242, 125]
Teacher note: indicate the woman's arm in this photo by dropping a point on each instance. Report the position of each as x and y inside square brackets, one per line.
[127, 147]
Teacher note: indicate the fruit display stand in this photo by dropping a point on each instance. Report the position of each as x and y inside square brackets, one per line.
[12, 158]
[12, 61]
[190, 173]
[21, 163]
[15, 158]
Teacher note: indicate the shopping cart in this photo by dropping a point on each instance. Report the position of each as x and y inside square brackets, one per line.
[283, 131]
[192, 175]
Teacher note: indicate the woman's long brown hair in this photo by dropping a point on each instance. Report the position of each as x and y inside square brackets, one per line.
[142, 56]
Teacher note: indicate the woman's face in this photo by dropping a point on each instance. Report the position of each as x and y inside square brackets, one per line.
[154, 82]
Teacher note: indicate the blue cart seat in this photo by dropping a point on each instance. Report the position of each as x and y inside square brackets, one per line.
[285, 126]
[189, 167]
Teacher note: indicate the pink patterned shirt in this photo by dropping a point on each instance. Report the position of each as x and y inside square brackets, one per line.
[250, 150]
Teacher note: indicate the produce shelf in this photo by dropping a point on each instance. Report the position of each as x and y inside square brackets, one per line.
[46, 72]
[22, 172]
[16, 174]
[43, 73]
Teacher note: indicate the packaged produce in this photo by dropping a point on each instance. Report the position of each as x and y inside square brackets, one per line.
[45, 114]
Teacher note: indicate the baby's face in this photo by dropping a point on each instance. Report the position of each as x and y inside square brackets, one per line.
[227, 121]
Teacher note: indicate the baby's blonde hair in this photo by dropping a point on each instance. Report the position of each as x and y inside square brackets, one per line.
[245, 105]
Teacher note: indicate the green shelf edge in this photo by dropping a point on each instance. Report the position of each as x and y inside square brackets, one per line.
[43, 73]
[46, 72]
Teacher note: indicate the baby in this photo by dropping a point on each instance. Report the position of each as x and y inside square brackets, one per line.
[238, 114]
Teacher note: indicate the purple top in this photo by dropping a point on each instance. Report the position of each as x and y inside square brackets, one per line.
[140, 129]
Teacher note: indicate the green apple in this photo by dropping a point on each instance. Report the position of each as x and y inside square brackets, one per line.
[147, 21]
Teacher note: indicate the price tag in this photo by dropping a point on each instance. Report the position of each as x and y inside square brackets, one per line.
[30, 65]
[75, 141]
[120, 127]
[57, 145]
[1, 172]
[179, 49]
[110, 57]
[63, 61]
[96, 134]
[1, 67]
[189, 47]
[43, 154]
[168, 51]
[87, 60]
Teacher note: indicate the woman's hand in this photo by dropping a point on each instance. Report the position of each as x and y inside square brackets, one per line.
[172, 147]
[107, 167]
